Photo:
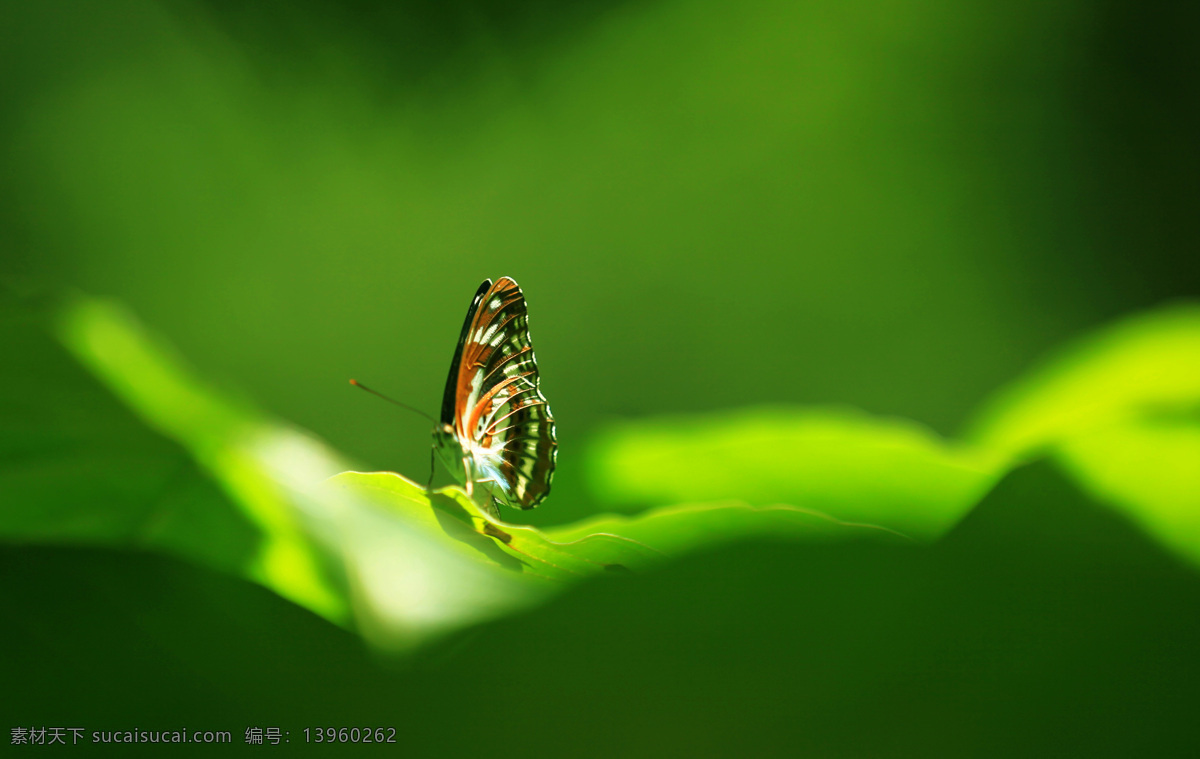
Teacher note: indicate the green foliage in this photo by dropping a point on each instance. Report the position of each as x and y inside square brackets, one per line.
[372, 551]
[264, 468]
[1039, 592]
[712, 206]
[79, 468]
[840, 462]
[1144, 367]
[1120, 409]
[184, 469]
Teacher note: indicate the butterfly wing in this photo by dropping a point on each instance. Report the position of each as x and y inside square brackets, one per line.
[450, 396]
[494, 402]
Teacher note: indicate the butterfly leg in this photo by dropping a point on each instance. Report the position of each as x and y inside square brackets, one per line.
[468, 478]
[432, 466]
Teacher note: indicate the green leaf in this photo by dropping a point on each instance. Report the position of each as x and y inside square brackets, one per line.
[1151, 471]
[452, 519]
[262, 467]
[843, 463]
[1119, 408]
[194, 472]
[469, 566]
[1142, 366]
[370, 551]
[396, 573]
[676, 530]
[77, 467]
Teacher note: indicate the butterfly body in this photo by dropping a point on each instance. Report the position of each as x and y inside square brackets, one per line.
[496, 433]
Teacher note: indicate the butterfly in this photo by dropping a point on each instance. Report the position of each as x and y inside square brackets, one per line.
[497, 433]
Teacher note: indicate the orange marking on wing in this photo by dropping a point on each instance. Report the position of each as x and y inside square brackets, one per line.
[486, 400]
[477, 355]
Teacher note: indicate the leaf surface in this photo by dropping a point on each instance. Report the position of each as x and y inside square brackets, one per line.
[839, 462]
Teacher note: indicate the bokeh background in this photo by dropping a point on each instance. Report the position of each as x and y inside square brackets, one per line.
[895, 206]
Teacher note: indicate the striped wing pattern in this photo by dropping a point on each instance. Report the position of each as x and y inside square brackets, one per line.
[494, 404]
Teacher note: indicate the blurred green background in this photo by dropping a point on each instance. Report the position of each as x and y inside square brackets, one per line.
[898, 207]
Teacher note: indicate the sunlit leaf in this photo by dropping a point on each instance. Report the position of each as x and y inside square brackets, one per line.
[378, 553]
[77, 467]
[1143, 366]
[372, 551]
[1150, 470]
[401, 574]
[676, 530]
[468, 566]
[262, 466]
[1119, 408]
[603, 543]
[457, 522]
[846, 464]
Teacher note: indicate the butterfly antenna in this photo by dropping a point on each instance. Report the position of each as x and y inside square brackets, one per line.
[358, 384]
